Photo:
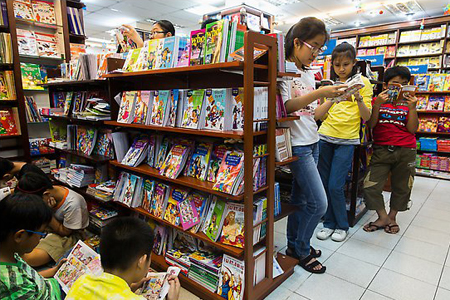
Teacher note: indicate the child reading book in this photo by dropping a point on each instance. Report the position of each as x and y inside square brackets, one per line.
[23, 218]
[70, 218]
[9, 170]
[394, 151]
[125, 247]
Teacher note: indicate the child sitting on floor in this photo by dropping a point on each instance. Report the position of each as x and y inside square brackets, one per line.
[125, 249]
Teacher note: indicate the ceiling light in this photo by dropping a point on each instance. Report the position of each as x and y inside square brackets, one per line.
[403, 7]
[201, 9]
[357, 23]
[113, 9]
[93, 39]
[282, 2]
[329, 21]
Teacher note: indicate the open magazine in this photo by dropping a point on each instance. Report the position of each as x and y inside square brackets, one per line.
[81, 260]
[354, 84]
[158, 286]
[396, 92]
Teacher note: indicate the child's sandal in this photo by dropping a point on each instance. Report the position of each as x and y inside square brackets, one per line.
[304, 263]
[315, 253]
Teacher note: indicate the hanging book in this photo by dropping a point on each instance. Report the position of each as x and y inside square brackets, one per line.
[126, 109]
[193, 108]
[159, 200]
[137, 152]
[197, 47]
[176, 196]
[149, 190]
[188, 213]
[175, 161]
[233, 225]
[23, 9]
[198, 166]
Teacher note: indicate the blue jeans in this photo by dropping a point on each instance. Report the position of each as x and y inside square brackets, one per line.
[335, 162]
[310, 197]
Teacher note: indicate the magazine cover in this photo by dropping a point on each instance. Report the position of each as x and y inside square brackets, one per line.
[231, 278]
[184, 47]
[81, 260]
[173, 104]
[191, 117]
[166, 55]
[175, 161]
[159, 107]
[215, 222]
[131, 60]
[151, 150]
[44, 12]
[233, 225]
[141, 107]
[87, 137]
[201, 203]
[149, 189]
[134, 155]
[153, 46]
[188, 213]
[213, 42]
[157, 287]
[126, 109]
[197, 46]
[237, 109]
[228, 171]
[198, 166]
[162, 149]
[215, 161]
[26, 41]
[129, 188]
[172, 214]
[23, 9]
[161, 233]
[104, 145]
[142, 60]
[215, 109]
[68, 103]
[159, 200]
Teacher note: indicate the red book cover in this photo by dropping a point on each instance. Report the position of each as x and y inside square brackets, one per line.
[7, 123]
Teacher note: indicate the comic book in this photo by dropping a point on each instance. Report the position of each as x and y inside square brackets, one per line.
[188, 213]
[149, 190]
[436, 103]
[422, 102]
[173, 105]
[175, 161]
[44, 12]
[31, 76]
[157, 287]
[153, 48]
[215, 220]
[26, 41]
[7, 122]
[201, 203]
[184, 47]
[233, 225]
[162, 147]
[141, 107]
[159, 200]
[447, 104]
[193, 108]
[161, 234]
[198, 166]
[234, 119]
[172, 214]
[78, 102]
[137, 152]
[215, 161]
[81, 260]
[231, 278]
[159, 108]
[23, 9]
[152, 150]
[68, 103]
[87, 137]
[104, 144]
[129, 189]
[131, 60]
[214, 110]
[168, 53]
[229, 170]
[197, 47]
[142, 61]
[47, 45]
[126, 109]
[213, 42]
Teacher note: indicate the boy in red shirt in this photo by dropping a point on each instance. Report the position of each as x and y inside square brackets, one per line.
[394, 151]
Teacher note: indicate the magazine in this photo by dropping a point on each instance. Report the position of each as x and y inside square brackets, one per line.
[157, 287]
[188, 213]
[233, 225]
[231, 278]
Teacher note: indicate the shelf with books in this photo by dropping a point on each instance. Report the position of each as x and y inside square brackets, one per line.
[194, 183]
[432, 133]
[92, 157]
[384, 45]
[288, 118]
[75, 120]
[4, 28]
[38, 24]
[419, 55]
[432, 151]
[429, 92]
[74, 82]
[81, 191]
[6, 137]
[287, 161]
[420, 41]
[432, 174]
[433, 112]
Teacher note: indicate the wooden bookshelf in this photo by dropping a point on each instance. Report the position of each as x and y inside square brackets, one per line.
[93, 157]
[75, 120]
[286, 210]
[287, 161]
[367, 47]
[429, 92]
[433, 133]
[432, 151]
[428, 112]
[288, 118]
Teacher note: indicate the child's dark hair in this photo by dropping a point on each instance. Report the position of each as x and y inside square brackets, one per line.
[5, 166]
[206, 22]
[305, 29]
[33, 183]
[401, 71]
[123, 241]
[167, 26]
[22, 211]
[343, 50]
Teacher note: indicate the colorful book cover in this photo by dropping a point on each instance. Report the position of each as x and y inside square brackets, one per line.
[213, 42]
[188, 213]
[129, 188]
[78, 98]
[68, 103]
[141, 107]
[7, 122]
[229, 169]
[214, 224]
[200, 202]
[444, 124]
[104, 144]
[447, 103]
[23, 9]
[126, 109]
[197, 46]
[160, 239]
[153, 47]
[86, 139]
[136, 151]
[422, 102]
[7, 87]
[47, 45]
[215, 161]
[231, 278]
[27, 43]
[31, 76]
[162, 151]
[184, 47]
[193, 108]
[175, 161]
[44, 12]
[131, 60]
[166, 54]
[198, 166]
[142, 61]
[237, 109]
[174, 95]
[159, 107]
[151, 150]
[215, 109]
[233, 225]
[436, 103]
[159, 200]
[176, 196]
[149, 190]
[157, 287]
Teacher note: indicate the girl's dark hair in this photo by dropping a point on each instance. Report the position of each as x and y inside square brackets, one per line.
[343, 50]
[33, 183]
[167, 26]
[305, 29]
[22, 211]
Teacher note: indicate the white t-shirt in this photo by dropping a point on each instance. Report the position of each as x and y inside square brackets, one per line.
[73, 213]
[303, 131]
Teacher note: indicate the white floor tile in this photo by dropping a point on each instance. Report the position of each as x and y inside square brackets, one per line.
[414, 267]
[328, 243]
[296, 279]
[280, 293]
[363, 251]
[280, 226]
[361, 273]
[422, 250]
[379, 238]
[296, 296]
[369, 295]
[434, 213]
[441, 204]
[401, 287]
[324, 286]
[445, 279]
[280, 240]
[426, 235]
[442, 294]
[432, 224]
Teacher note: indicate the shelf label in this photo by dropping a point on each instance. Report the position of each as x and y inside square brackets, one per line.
[375, 60]
[419, 69]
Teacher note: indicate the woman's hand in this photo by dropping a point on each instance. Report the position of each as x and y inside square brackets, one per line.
[332, 91]
[133, 35]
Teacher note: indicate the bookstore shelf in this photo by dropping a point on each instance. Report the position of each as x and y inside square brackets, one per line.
[420, 42]
[75, 120]
[4, 28]
[6, 137]
[288, 118]
[77, 36]
[38, 24]
[194, 183]
[92, 157]
[8, 103]
[74, 82]
[435, 174]
[4, 66]
[433, 112]
[281, 74]
[384, 45]
[432, 151]
[287, 161]
[433, 133]
[420, 55]
[429, 92]
[81, 191]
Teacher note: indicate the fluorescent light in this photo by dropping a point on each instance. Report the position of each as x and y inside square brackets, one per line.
[113, 9]
[201, 9]
[93, 39]
[115, 22]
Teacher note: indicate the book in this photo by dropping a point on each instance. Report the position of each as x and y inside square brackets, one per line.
[74, 17]
[422, 102]
[422, 81]
[87, 137]
[47, 45]
[27, 43]
[188, 213]
[172, 214]
[240, 55]
[149, 189]
[436, 103]
[141, 107]
[23, 9]
[175, 161]
[142, 60]
[81, 260]
[214, 110]
[44, 12]
[447, 104]
[137, 152]
[233, 225]
[193, 108]
[7, 86]
[201, 203]
[197, 47]
[172, 108]
[184, 46]
[213, 42]
[215, 219]
[160, 107]
[198, 166]
[168, 53]
[31, 76]
[159, 201]
[153, 47]
[131, 60]
[235, 116]
[354, 84]
[126, 108]
[215, 161]
[395, 92]
[157, 287]
[229, 172]
[104, 145]
[231, 278]
[162, 147]
[68, 103]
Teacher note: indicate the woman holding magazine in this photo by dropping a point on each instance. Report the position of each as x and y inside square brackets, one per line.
[161, 29]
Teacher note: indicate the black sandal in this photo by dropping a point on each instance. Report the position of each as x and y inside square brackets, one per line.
[304, 263]
[315, 253]
[389, 228]
[370, 227]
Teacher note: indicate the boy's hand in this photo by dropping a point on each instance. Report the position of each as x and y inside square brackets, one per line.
[49, 273]
[332, 91]
[174, 289]
[382, 98]
[411, 100]
[358, 97]
[136, 285]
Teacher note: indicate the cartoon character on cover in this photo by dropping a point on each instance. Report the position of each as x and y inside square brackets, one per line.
[226, 178]
[230, 228]
[126, 113]
[194, 116]
[166, 55]
[237, 287]
[225, 288]
[213, 225]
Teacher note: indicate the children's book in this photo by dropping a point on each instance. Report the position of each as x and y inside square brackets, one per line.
[26, 40]
[184, 46]
[229, 171]
[153, 47]
[159, 109]
[23, 9]
[233, 225]
[157, 287]
[201, 203]
[215, 161]
[436, 103]
[81, 260]
[47, 45]
[44, 12]
[175, 161]
[447, 104]
[104, 144]
[197, 47]
[173, 106]
[168, 54]
[126, 109]
[193, 108]
[176, 196]
[422, 102]
[7, 122]
[422, 81]
[131, 60]
[68, 103]
[142, 61]
[395, 92]
[161, 233]
[137, 152]
[149, 190]
[215, 220]
[234, 119]
[198, 166]
[87, 137]
[239, 53]
[213, 42]
[159, 200]
[214, 110]
[78, 102]
[231, 278]
[141, 107]
[188, 213]
[162, 147]
[31, 76]
[129, 189]
[151, 150]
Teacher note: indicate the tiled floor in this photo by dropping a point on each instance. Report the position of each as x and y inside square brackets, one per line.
[414, 264]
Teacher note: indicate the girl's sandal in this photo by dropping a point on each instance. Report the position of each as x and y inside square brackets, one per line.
[304, 263]
[315, 253]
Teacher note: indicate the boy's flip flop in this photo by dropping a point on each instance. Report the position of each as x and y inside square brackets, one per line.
[392, 228]
[370, 227]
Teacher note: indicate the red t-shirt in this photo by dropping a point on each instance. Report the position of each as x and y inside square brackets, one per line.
[391, 127]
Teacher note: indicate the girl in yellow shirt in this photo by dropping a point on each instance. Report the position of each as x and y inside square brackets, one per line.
[339, 134]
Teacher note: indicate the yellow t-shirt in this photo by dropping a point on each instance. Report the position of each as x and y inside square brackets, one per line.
[105, 286]
[343, 119]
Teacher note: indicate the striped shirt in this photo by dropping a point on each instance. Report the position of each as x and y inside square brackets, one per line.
[20, 281]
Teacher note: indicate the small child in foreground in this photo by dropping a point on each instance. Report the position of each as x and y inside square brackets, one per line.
[125, 249]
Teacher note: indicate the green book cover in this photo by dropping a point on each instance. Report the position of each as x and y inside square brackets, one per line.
[213, 42]
[215, 223]
[31, 76]
[193, 109]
